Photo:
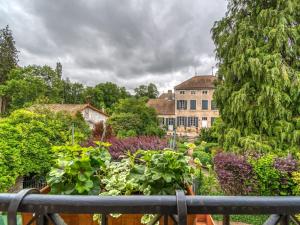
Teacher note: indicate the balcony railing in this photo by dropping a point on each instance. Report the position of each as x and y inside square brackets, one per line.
[47, 207]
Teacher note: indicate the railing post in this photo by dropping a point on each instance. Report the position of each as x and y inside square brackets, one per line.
[181, 207]
[166, 219]
[15, 203]
[103, 219]
[284, 220]
[226, 220]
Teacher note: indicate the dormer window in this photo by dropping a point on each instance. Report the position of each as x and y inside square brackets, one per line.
[182, 92]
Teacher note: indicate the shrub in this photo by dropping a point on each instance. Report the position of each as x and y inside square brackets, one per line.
[274, 174]
[26, 139]
[256, 174]
[78, 170]
[296, 180]
[207, 135]
[204, 157]
[120, 147]
[235, 174]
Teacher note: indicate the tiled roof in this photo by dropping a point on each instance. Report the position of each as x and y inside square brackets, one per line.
[167, 96]
[68, 108]
[197, 82]
[162, 106]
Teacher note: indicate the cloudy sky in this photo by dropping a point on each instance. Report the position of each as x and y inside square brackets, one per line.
[129, 42]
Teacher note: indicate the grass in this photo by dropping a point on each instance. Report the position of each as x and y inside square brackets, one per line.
[249, 219]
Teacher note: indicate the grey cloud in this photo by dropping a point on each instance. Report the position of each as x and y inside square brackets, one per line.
[123, 41]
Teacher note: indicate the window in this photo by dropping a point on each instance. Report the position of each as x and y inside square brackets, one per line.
[204, 104]
[193, 104]
[181, 104]
[213, 105]
[192, 121]
[181, 121]
[182, 92]
[204, 118]
[170, 121]
[193, 92]
[212, 120]
[204, 92]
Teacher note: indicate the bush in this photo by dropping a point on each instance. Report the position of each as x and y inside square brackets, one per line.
[257, 174]
[121, 147]
[235, 174]
[78, 170]
[134, 114]
[207, 135]
[274, 174]
[26, 139]
[204, 157]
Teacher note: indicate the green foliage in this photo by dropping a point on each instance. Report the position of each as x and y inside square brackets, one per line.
[207, 183]
[26, 139]
[105, 95]
[257, 44]
[149, 173]
[8, 53]
[165, 172]
[267, 175]
[296, 179]
[149, 91]
[272, 180]
[133, 114]
[78, 170]
[126, 133]
[207, 135]
[31, 84]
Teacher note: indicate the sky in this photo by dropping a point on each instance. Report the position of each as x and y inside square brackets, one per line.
[128, 42]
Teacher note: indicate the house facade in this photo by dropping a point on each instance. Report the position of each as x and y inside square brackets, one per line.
[190, 107]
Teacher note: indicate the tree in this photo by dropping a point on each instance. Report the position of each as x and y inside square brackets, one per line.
[32, 84]
[26, 140]
[8, 59]
[105, 95]
[133, 114]
[258, 47]
[149, 91]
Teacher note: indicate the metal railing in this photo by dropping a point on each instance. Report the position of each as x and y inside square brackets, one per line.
[47, 207]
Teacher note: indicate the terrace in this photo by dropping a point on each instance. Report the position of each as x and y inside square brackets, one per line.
[169, 208]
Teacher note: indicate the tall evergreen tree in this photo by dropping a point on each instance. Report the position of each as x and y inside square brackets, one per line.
[258, 91]
[8, 59]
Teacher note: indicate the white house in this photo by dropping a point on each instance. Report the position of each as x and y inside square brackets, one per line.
[90, 114]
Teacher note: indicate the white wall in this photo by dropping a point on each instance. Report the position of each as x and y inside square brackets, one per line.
[93, 117]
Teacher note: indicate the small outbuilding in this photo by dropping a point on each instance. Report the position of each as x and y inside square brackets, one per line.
[90, 114]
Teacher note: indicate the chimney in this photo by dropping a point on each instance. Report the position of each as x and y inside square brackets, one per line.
[170, 95]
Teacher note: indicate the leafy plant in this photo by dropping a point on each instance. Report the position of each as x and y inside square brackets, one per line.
[235, 174]
[26, 139]
[78, 170]
[165, 171]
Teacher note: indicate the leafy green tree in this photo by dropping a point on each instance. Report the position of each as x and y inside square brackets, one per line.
[73, 93]
[133, 114]
[26, 139]
[105, 95]
[8, 60]
[28, 85]
[149, 91]
[258, 47]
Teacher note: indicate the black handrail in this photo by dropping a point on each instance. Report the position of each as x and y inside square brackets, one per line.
[179, 205]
